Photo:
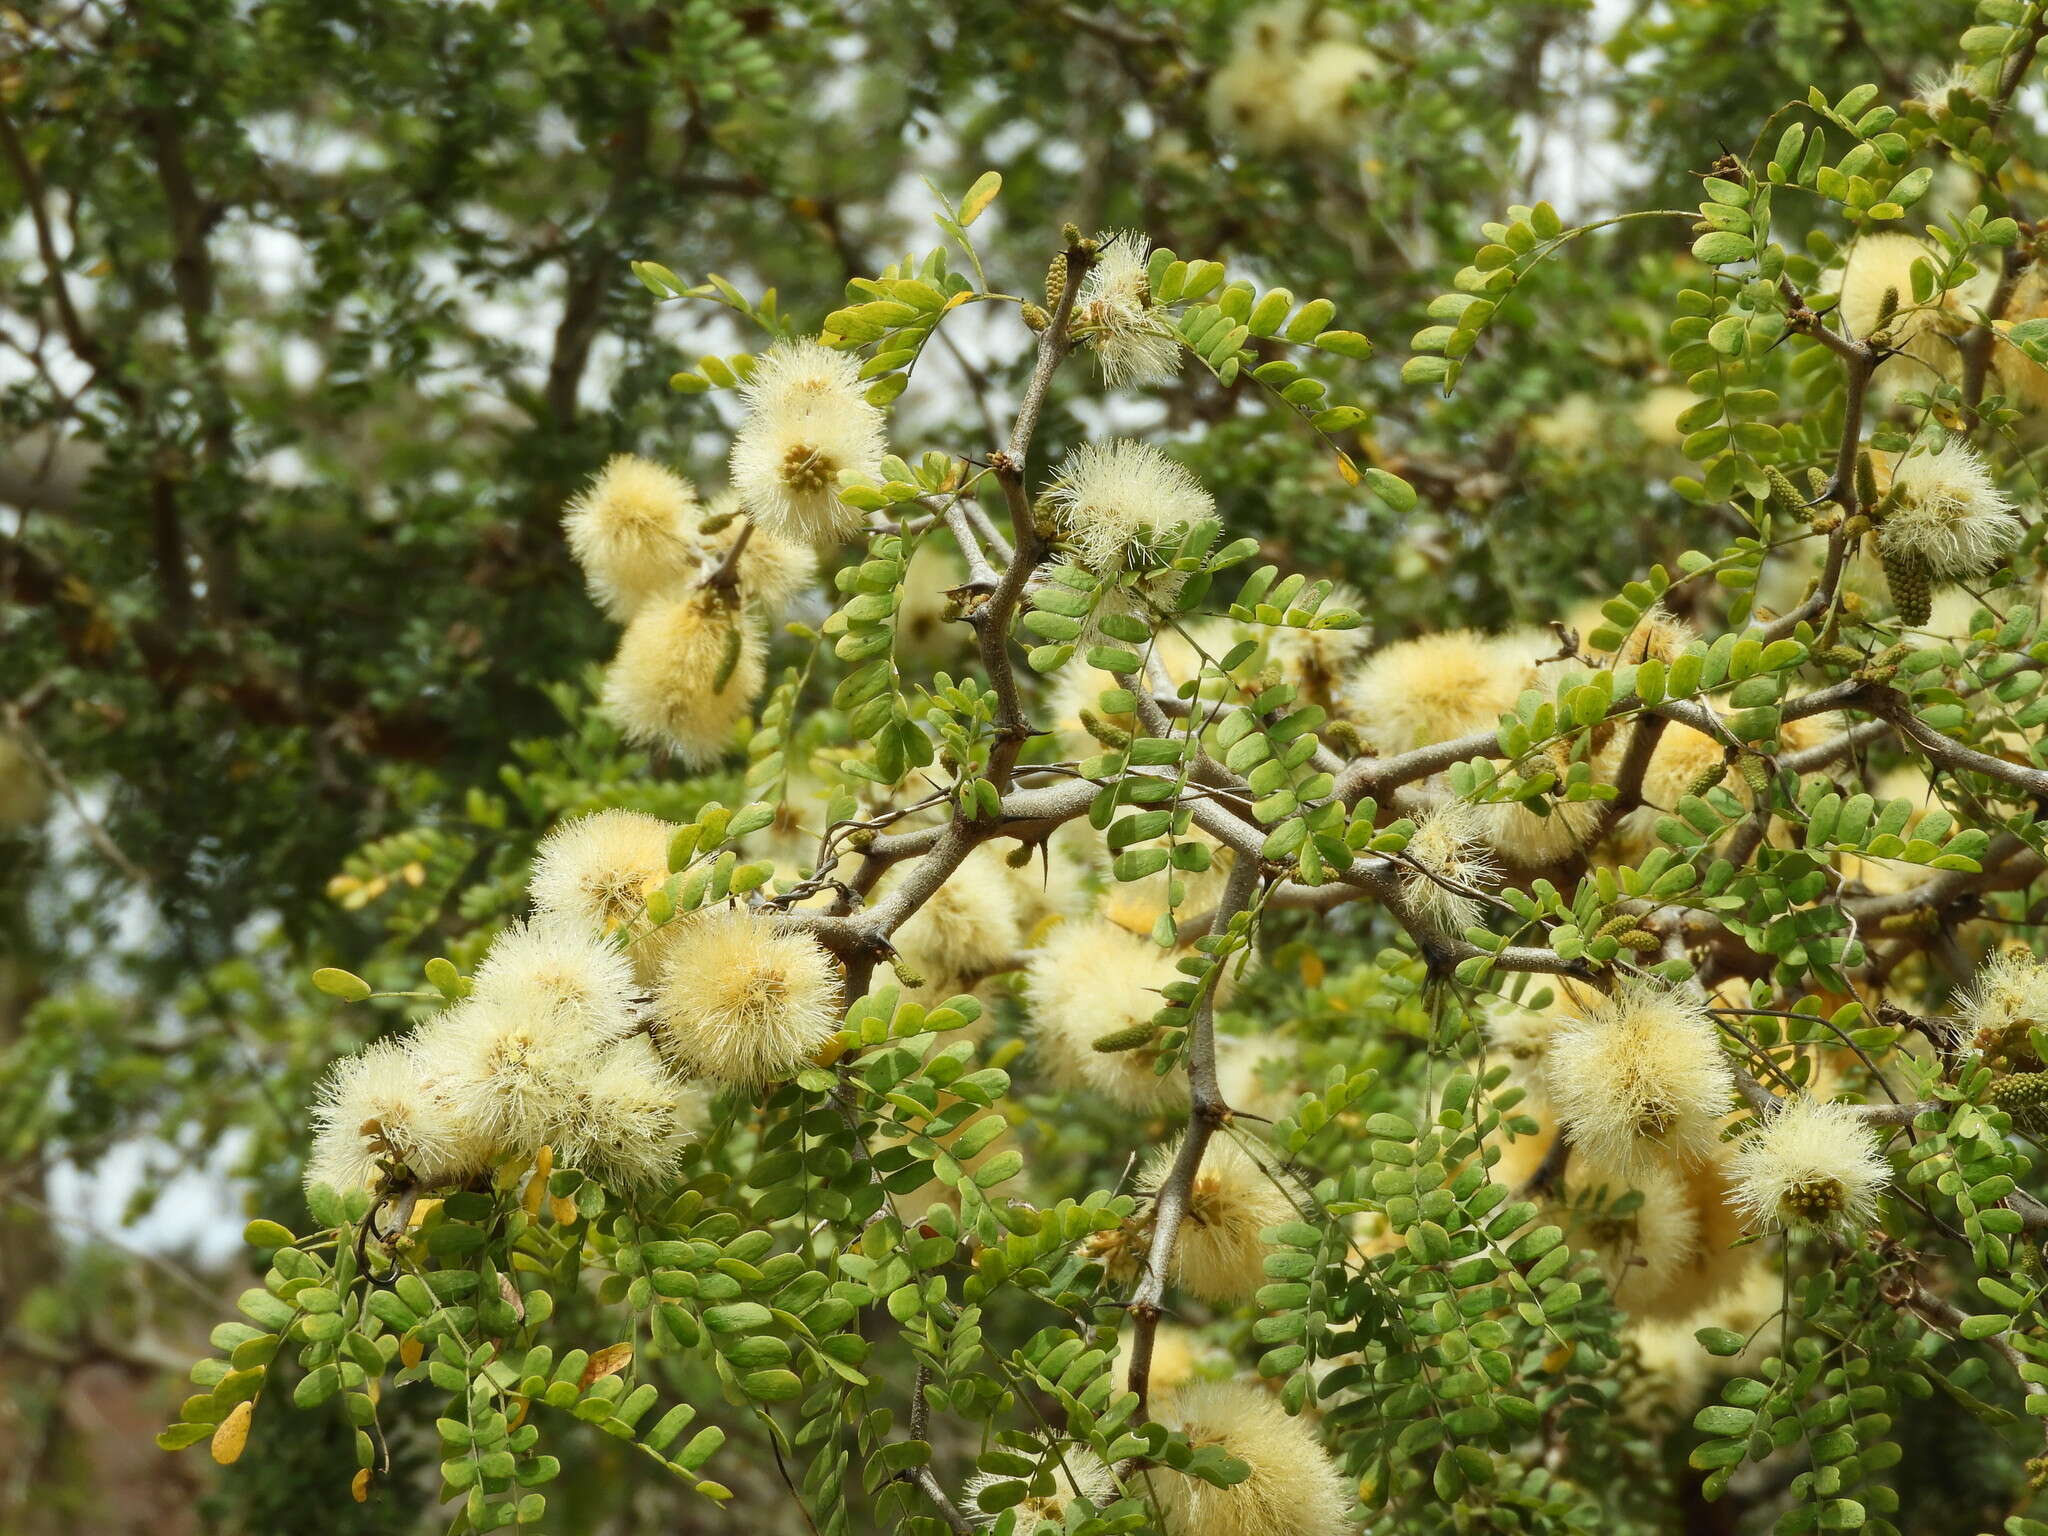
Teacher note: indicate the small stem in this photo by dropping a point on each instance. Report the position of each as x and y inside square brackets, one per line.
[726, 579]
[992, 619]
[979, 572]
[1207, 1112]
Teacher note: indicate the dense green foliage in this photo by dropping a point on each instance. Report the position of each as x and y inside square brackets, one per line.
[317, 314]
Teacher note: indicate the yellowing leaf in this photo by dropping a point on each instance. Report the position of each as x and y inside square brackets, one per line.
[410, 1350]
[609, 1361]
[346, 985]
[1347, 469]
[563, 1210]
[537, 1186]
[979, 196]
[359, 1486]
[233, 1433]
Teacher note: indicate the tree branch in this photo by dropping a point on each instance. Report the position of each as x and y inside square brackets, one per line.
[1206, 1112]
[992, 619]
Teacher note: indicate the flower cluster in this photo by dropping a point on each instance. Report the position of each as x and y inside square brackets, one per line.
[2005, 1002]
[542, 1053]
[1945, 508]
[691, 659]
[808, 425]
[1122, 506]
[1290, 82]
[1292, 1487]
[559, 1045]
[1638, 1072]
[1438, 688]
[1811, 1162]
[595, 1032]
[1115, 318]
[1219, 1253]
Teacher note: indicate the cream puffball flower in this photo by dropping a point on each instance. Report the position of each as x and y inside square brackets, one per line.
[1522, 1035]
[1528, 838]
[687, 670]
[1655, 633]
[1450, 857]
[773, 569]
[1178, 1356]
[1812, 1162]
[1671, 1375]
[1087, 979]
[742, 1000]
[807, 424]
[1947, 509]
[1656, 414]
[1571, 429]
[632, 529]
[599, 869]
[1876, 264]
[1288, 80]
[564, 972]
[1640, 1225]
[1326, 112]
[1115, 318]
[1682, 758]
[1053, 881]
[631, 1119]
[386, 1107]
[1418, 692]
[2021, 380]
[1177, 649]
[512, 1067]
[1118, 503]
[2007, 998]
[967, 928]
[922, 628]
[1064, 1473]
[550, 999]
[1638, 1071]
[1316, 661]
[1218, 1254]
[1260, 1074]
[1934, 86]
[1293, 1489]
[1248, 94]
[1721, 1263]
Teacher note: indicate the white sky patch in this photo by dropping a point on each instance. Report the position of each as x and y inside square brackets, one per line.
[198, 1212]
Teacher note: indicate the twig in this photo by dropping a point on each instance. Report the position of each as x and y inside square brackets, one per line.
[980, 573]
[1206, 1112]
[725, 580]
[1859, 361]
[923, 1477]
[19, 728]
[992, 619]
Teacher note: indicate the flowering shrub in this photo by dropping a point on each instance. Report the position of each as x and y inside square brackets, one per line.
[1023, 1003]
[739, 1070]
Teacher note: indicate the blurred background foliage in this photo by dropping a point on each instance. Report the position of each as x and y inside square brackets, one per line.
[312, 314]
